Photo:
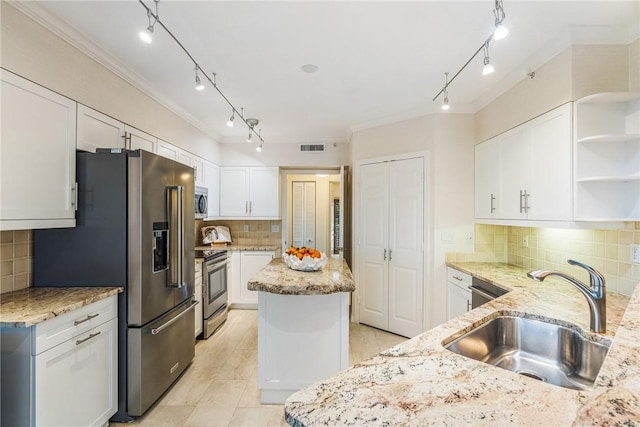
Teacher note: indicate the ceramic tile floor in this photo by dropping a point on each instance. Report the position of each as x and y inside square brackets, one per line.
[220, 387]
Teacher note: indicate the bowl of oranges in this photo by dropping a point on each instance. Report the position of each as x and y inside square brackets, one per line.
[304, 259]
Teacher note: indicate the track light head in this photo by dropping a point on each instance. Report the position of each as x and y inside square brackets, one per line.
[501, 31]
[259, 148]
[199, 84]
[250, 136]
[488, 68]
[230, 121]
[146, 35]
[445, 105]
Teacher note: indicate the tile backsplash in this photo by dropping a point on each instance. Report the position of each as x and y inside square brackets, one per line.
[16, 255]
[257, 232]
[535, 248]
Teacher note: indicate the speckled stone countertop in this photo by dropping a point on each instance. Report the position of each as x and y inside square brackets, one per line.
[277, 278]
[30, 306]
[419, 382]
[234, 247]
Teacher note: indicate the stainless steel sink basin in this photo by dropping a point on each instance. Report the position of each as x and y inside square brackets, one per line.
[545, 351]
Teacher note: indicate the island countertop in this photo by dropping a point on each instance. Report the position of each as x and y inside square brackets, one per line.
[30, 306]
[419, 382]
[277, 278]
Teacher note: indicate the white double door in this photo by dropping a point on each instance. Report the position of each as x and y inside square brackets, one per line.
[391, 245]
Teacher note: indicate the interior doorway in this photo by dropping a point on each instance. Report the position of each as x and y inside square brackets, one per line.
[313, 210]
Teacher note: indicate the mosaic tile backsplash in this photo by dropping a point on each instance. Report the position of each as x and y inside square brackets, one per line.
[16, 252]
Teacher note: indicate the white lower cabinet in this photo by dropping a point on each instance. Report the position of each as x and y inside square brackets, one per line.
[62, 372]
[198, 297]
[458, 293]
[244, 265]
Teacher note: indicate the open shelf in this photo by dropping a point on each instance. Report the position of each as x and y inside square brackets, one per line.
[610, 138]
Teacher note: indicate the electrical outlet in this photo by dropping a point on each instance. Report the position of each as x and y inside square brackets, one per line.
[634, 253]
[469, 238]
[275, 228]
[447, 238]
[245, 228]
[525, 241]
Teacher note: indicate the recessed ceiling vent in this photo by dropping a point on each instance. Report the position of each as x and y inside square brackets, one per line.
[312, 148]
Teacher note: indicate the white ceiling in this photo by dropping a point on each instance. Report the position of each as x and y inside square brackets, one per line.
[379, 61]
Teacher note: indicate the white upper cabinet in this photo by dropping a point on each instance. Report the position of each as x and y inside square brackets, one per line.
[212, 183]
[488, 199]
[37, 156]
[137, 139]
[250, 192]
[607, 157]
[526, 172]
[97, 130]
[173, 152]
[168, 150]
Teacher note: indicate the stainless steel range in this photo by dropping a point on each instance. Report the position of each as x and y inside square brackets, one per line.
[214, 289]
[135, 229]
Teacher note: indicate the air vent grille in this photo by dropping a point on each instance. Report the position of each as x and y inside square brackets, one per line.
[311, 148]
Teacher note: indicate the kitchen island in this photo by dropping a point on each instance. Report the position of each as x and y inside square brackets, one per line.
[303, 326]
[419, 382]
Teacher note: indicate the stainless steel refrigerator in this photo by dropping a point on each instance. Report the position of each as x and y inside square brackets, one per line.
[135, 228]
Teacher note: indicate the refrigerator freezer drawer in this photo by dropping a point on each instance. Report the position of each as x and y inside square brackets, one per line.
[158, 353]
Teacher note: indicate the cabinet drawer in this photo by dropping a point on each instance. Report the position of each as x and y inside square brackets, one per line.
[76, 382]
[55, 331]
[458, 277]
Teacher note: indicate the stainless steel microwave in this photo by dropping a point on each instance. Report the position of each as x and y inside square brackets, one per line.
[201, 202]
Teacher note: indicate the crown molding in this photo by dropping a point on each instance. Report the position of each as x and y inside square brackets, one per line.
[110, 62]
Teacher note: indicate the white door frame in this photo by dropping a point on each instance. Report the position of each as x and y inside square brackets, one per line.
[428, 224]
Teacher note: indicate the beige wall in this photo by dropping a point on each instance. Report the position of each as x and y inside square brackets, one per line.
[449, 140]
[284, 155]
[576, 72]
[32, 51]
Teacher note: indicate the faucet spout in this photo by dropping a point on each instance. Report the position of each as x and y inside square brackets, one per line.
[595, 293]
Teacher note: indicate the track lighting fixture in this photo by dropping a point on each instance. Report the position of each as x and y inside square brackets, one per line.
[146, 35]
[488, 68]
[259, 148]
[199, 85]
[445, 105]
[501, 31]
[233, 116]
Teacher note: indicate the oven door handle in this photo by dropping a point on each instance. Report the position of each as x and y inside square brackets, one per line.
[156, 331]
[482, 293]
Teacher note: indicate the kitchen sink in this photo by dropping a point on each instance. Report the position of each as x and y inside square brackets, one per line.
[556, 354]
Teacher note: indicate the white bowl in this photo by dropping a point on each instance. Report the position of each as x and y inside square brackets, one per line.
[305, 264]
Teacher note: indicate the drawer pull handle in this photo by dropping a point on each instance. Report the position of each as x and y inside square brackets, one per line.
[89, 317]
[78, 342]
[458, 278]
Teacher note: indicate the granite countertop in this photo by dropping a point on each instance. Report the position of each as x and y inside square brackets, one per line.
[30, 306]
[418, 382]
[277, 278]
[235, 247]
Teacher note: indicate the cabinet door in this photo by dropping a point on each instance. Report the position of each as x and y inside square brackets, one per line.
[197, 163]
[37, 156]
[487, 194]
[250, 264]
[233, 276]
[168, 150]
[458, 300]
[97, 130]
[551, 172]
[212, 182]
[140, 140]
[374, 229]
[303, 215]
[264, 192]
[76, 381]
[234, 192]
[515, 167]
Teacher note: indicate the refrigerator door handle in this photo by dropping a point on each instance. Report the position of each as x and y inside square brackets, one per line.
[175, 213]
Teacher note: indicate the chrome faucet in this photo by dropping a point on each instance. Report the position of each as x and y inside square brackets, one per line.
[596, 294]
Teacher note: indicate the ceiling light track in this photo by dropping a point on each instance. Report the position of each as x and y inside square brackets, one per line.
[248, 122]
[499, 32]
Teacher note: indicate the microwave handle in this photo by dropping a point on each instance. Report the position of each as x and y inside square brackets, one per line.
[175, 214]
